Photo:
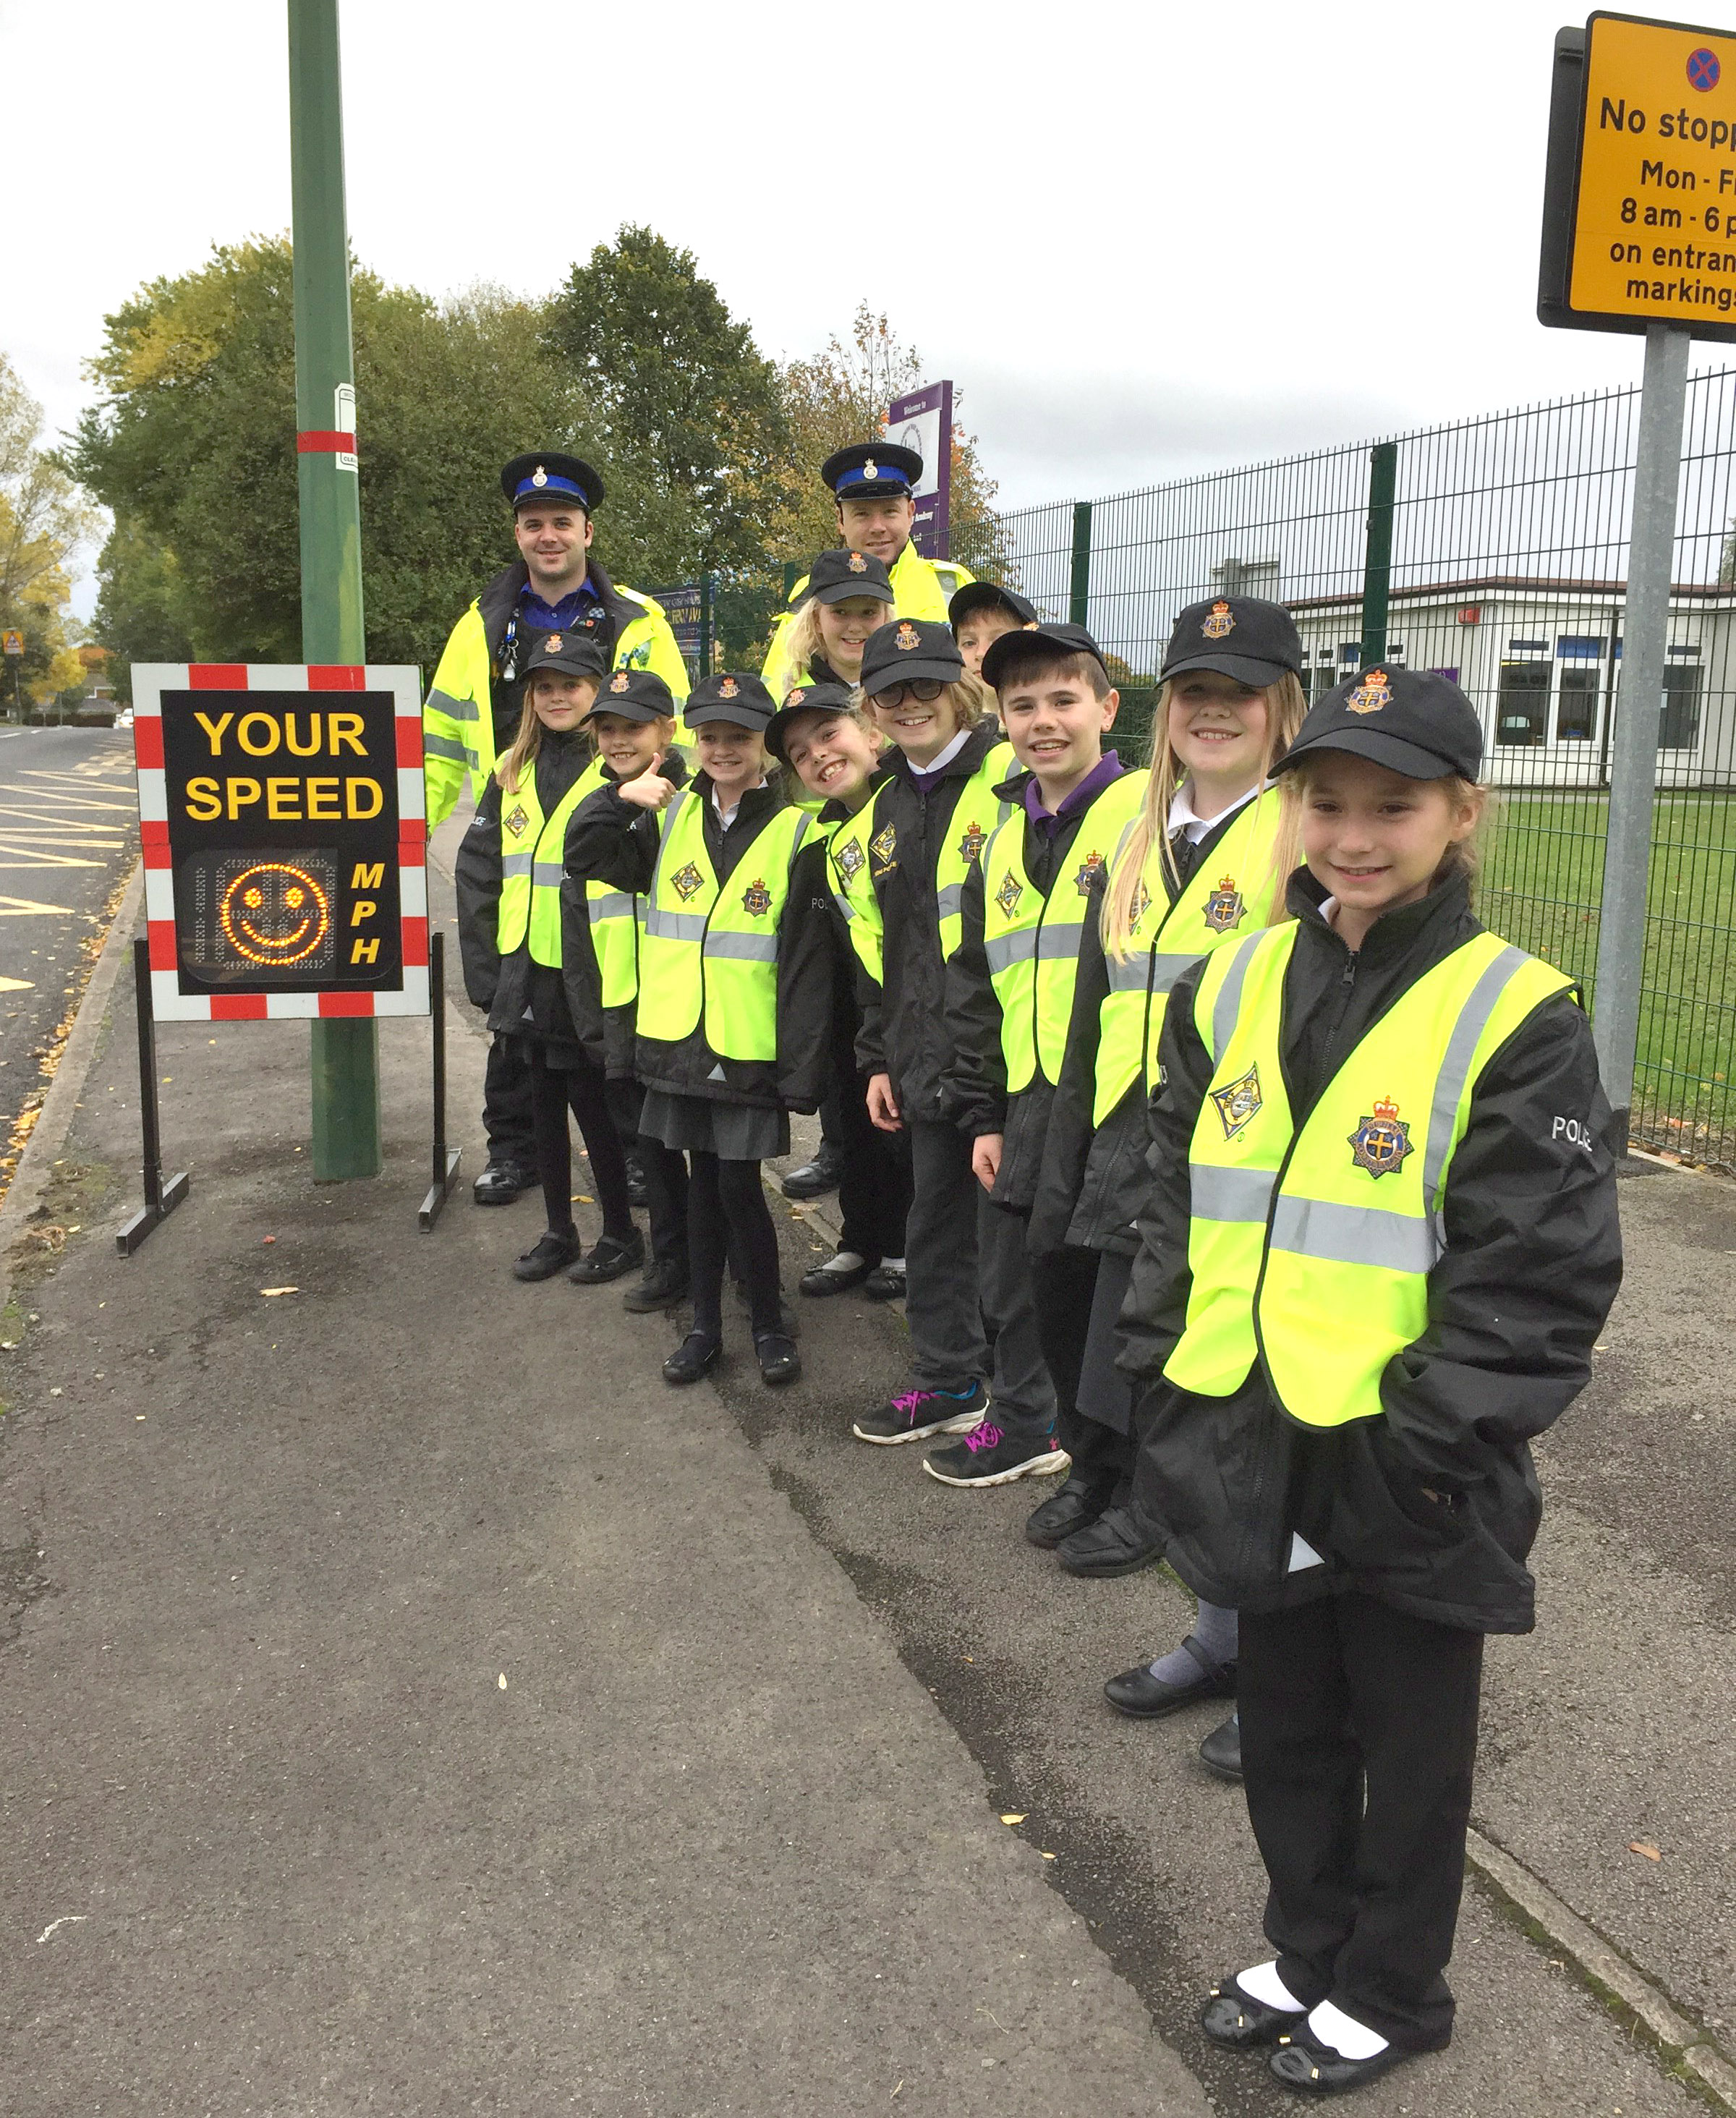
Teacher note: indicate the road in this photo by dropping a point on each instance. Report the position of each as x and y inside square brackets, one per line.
[68, 833]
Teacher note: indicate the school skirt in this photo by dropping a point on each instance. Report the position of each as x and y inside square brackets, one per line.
[734, 1132]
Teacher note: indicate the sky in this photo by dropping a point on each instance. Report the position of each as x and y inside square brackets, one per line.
[1143, 240]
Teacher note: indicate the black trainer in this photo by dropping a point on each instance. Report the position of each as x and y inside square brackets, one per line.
[987, 1457]
[547, 1254]
[919, 1412]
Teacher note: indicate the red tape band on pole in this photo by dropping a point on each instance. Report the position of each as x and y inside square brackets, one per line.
[324, 442]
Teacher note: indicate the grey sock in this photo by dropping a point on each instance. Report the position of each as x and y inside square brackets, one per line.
[1215, 1629]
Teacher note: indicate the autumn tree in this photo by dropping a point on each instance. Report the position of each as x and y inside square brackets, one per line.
[44, 520]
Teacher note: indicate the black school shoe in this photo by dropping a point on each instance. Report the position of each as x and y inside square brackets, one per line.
[1143, 1697]
[612, 1257]
[697, 1354]
[1236, 2020]
[665, 1282]
[886, 1283]
[1112, 1546]
[831, 1278]
[501, 1183]
[780, 1362]
[1078, 1504]
[813, 1179]
[1315, 2070]
[546, 1256]
[1221, 1751]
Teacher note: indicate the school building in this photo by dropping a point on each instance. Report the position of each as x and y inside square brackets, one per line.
[1539, 658]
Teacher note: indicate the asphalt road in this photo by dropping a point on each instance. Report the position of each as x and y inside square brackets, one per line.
[68, 832]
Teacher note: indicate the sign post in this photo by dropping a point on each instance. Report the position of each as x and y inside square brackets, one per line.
[346, 1057]
[922, 420]
[13, 644]
[1639, 235]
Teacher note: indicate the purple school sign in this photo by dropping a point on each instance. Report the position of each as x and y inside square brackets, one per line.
[923, 421]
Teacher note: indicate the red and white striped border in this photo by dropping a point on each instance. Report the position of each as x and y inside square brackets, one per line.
[149, 680]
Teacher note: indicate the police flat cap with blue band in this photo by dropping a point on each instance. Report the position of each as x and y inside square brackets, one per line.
[635, 695]
[910, 650]
[988, 595]
[566, 655]
[871, 471]
[1408, 720]
[731, 695]
[1014, 651]
[1242, 637]
[811, 699]
[836, 577]
[554, 479]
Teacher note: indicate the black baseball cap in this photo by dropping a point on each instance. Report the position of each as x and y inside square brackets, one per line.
[547, 476]
[1239, 636]
[636, 695]
[910, 651]
[836, 577]
[568, 654]
[1058, 637]
[986, 595]
[809, 698]
[730, 695]
[871, 471]
[1408, 720]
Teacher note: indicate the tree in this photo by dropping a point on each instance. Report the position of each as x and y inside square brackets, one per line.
[44, 520]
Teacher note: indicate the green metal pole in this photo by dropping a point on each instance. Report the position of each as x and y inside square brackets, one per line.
[707, 618]
[1383, 473]
[1079, 591]
[345, 1053]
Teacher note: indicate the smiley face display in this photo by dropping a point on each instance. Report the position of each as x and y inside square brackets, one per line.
[275, 911]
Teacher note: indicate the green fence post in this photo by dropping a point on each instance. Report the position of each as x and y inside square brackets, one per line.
[1079, 589]
[1383, 472]
[345, 1052]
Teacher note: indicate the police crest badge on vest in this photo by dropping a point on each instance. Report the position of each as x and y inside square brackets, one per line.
[688, 880]
[973, 842]
[1381, 1143]
[1223, 908]
[849, 859]
[1010, 892]
[884, 844]
[517, 821]
[1090, 870]
[756, 898]
[1237, 1102]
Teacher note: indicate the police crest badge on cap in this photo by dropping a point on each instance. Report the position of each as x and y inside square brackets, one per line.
[907, 636]
[794, 698]
[728, 688]
[539, 476]
[551, 644]
[1371, 694]
[867, 468]
[1219, 625]
[858, 564]
[620, 681]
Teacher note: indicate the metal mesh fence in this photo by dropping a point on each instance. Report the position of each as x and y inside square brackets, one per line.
[1507, 574]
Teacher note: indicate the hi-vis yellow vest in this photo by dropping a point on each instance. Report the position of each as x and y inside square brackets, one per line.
[847, 855]
[1232, 891]
[533, 860]
[1032, 942]
[1311, 1250]
[617, 919]
[708, 953]
[921, 588]
[458, 715]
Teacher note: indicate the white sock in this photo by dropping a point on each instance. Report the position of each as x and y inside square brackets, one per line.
[1347, 2036]
[1263, 1984]
[892, 1264]
[843, 1261]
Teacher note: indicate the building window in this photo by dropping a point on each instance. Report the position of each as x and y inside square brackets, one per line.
[1521, 714]
[1678, 724]
[1576, 709]
[1350, 652]
[1578, 647]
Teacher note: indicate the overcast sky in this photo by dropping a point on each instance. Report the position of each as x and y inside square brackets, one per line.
[1143, 239]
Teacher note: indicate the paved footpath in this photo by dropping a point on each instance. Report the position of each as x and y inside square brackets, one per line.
[277, 1838]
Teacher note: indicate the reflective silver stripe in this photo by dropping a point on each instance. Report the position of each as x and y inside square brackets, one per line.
[1167, 970]
[674, 925]
[669, 815]
[1129, 973]
[516, 864]
[546, 875]
[610, 904]
[742, 948]
[455, 710]
[1007, 950]
[1217, 1193]
[1461, 1047]
[1059, 939]
[950, 900]
[845, 906]
[1228, 1002]
[1355, 1235]
[802, 830]
[447, 745]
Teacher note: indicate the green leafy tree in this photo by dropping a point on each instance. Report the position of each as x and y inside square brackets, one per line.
[43, 521]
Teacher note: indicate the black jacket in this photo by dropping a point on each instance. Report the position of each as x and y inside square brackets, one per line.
[612, 841]
[1093, 1179]
[1433, 1506]
[497, 603]
[523, 998]
[973, 1092]
[904, 1030]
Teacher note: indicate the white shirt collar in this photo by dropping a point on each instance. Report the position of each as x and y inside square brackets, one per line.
[946, 756]
[1184, 817]
[726, 817]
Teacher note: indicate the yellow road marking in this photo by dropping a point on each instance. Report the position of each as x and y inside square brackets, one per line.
[18, 908]
[17, 985]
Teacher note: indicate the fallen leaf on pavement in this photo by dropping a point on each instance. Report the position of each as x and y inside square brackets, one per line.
[1640, 1846]
[1010, 1818]
[270, 1291]
[501, 1680]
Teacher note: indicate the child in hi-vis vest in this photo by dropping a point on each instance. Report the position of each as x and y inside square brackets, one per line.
[734, 993]
[508, 875]
[1385, 1248]
[1198, 869]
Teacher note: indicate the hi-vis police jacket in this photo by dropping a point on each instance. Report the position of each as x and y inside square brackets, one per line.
[735, 960]
[1010, 986]
[1096, 1175]
[923, 589]
[1471, 1200]
[470, 717]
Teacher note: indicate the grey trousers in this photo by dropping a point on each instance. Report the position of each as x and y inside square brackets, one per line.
[968, 1267]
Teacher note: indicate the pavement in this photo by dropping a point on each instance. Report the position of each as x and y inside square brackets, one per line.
[413, 1705]
[68, 834]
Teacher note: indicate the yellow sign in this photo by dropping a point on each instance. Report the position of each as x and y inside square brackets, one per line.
[1654, 214]
[11, 643]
